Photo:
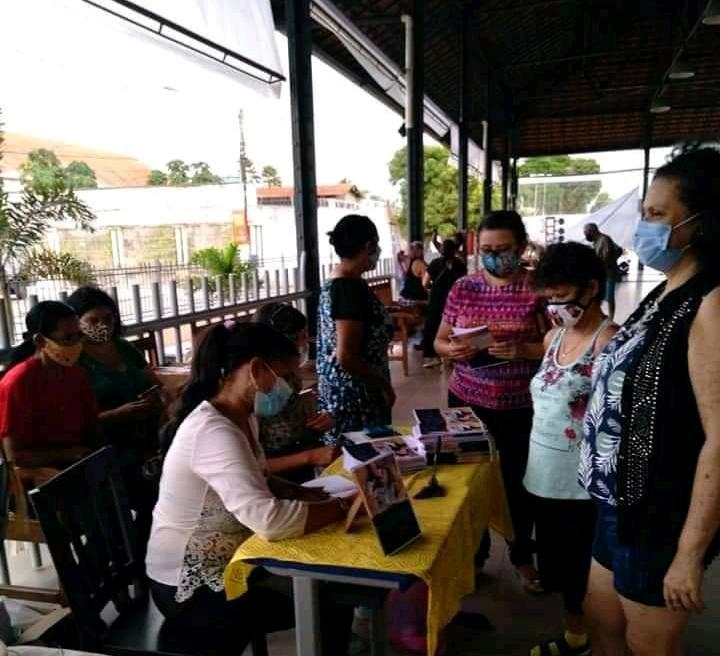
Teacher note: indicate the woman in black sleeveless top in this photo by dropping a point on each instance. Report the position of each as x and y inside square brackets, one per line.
[651, 455]
[414, 269]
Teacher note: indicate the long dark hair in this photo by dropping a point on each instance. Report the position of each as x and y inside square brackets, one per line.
[223, 349]
[88, 298]
[42, 319]
[696, 169]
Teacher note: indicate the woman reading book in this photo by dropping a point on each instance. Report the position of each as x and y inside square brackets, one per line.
[500, 297]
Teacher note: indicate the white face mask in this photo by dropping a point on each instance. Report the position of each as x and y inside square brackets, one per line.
[566, 314]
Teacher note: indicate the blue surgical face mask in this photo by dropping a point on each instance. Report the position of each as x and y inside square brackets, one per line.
[502, 265]
[652, 244]
[269, 404]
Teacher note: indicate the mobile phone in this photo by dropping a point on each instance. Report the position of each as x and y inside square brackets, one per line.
[150, 391]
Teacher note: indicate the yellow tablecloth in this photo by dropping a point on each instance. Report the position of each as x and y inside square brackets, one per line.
[443, 557]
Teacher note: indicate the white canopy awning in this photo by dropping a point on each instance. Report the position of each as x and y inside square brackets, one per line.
[141, 50]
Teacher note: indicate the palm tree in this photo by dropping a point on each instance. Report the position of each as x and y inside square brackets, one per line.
[221, 262]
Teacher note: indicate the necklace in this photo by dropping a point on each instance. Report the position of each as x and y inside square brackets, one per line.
[565, 350]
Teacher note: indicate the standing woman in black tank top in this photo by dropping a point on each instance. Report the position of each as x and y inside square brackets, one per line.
[651, 455]
[414, 269]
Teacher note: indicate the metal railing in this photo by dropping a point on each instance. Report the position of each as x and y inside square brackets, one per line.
[171, 309]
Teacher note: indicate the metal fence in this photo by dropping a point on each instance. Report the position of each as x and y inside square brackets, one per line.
[170, 301]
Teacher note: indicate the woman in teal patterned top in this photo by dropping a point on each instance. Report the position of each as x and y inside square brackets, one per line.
[571, 278]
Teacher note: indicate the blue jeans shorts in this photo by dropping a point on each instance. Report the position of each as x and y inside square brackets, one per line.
[638, 570]
[610, 284]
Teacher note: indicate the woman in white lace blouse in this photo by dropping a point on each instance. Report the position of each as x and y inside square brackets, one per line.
[215, 490]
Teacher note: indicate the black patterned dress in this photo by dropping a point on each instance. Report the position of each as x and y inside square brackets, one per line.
[347, 399]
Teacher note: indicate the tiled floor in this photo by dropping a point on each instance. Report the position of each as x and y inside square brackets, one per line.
[519, 620]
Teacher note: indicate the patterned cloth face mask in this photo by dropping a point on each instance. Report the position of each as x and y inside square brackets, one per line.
[501, 265]
[100, 333]
[66, 355]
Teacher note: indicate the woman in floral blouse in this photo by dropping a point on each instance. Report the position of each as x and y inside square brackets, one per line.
[651, 453]
[354, 332]
[572, 279]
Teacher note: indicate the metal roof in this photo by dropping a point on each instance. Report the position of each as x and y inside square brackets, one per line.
[567, 76]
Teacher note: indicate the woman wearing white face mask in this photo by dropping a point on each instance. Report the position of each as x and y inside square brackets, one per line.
[292, 439]
[572, 279]
[651, 455]
[215, 490]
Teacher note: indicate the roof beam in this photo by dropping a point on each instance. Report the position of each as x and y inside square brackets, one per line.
[574, 114]
[617, 52]
[688, 35]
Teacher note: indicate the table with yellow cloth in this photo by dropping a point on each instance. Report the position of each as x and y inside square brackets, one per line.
[443, 557]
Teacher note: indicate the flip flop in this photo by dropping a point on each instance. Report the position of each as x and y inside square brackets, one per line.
[532, 585]
[560, 647]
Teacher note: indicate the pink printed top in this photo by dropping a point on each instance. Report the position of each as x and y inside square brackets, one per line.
[511, 313]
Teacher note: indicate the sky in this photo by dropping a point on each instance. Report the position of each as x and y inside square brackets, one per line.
[95, 88]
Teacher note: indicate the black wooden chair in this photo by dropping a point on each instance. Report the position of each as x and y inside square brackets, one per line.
[87, 522]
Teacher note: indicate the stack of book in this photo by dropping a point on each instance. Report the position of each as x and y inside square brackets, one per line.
[458, 433]
[409, 451]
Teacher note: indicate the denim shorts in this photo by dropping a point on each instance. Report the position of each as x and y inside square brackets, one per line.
[610, 284]
[638, 570]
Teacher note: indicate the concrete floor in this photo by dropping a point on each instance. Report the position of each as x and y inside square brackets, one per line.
[519, 620]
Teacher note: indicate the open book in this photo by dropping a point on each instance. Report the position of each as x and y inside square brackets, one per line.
[481, 338]
[384, 496]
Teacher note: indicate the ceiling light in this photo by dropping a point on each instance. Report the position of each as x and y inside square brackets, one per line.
[659, 106]
[681, 70]
[712, 15]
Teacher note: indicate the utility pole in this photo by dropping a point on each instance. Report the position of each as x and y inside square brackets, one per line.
[243, 171]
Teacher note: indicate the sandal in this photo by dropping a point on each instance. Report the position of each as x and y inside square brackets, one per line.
[559, 647]
[532, 584]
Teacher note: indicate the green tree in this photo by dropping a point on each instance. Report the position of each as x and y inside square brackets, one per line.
[221, 261]
[201, 174]
[157, 178]
[440, 191]
[43, 263]
[42, 173]
[25, 218]
[178, 173]
[600, 202]
[270, 176]
[248, 172]
[558, 197]
[80, 176]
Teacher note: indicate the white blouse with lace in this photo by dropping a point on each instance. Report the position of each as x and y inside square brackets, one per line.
[213, 496]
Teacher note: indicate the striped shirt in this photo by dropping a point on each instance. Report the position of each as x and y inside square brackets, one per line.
[511, 313]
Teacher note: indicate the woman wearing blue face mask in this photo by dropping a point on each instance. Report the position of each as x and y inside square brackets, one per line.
[215, 490]
[292, 439]
[651, 454]
[496, 381]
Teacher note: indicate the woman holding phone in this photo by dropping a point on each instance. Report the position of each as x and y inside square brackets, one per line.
[128, 395]
[496, 382]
